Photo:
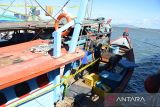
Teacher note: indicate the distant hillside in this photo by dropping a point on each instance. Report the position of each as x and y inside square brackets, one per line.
[125, 25]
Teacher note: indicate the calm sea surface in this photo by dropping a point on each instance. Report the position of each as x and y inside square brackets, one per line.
[147, 56]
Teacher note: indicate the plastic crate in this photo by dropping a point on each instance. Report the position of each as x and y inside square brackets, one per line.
[91, 79]
[99, 89]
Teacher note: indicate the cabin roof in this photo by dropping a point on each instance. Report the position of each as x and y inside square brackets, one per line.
[18, 63]
[34, 25]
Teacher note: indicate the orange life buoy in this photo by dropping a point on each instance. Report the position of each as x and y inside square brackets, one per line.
[56, 24]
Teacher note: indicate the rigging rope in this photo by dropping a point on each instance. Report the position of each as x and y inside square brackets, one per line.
[62, 8]
[44, 9]
[91, 7]
[31, 2]
[59, 11]
[49, 21]
[12, 11]
[8, 7]
[37, 34]
[87, 11]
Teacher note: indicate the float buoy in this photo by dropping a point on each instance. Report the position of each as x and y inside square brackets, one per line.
[56, 24]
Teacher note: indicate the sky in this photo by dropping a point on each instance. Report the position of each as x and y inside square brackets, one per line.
[140, 13]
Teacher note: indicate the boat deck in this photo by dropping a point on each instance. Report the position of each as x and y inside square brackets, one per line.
[18, 63]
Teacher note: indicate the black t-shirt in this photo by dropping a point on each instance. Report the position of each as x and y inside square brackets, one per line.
[97, 52]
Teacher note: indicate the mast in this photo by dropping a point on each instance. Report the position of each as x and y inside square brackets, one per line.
[78, 23]
[25, 9]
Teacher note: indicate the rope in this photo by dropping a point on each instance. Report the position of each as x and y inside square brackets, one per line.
[87, 11]
[80, 70]
[44, 10]
[31, 2]
[26, 2]
[12, 11]
[37, 34]
[62, 8]
[59, 11]
[51, 88]
[31, 96]
[91, 7]
[8, 7]
[39, 103]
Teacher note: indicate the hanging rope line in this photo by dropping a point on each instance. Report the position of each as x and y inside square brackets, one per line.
[62, 8]
[44, 9]
[59, 11]
[8, 7]
[31, 2]
[91, 8]
[87, 11]
[7, 10]
[12, 11]
[50, 20]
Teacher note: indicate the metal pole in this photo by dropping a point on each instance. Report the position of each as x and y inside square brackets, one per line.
[78, 23]
[57, 39]
[57, 44]
[25, 10]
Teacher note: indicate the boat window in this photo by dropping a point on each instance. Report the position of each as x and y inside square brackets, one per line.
[22, 89]
[3, 99]
[42, 80]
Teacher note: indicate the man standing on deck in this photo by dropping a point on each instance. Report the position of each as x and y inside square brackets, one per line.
[97, 56]
[107, 28]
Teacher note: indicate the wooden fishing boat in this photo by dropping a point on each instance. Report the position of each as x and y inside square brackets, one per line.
[36, 73]
[122, 66]
[31, 72]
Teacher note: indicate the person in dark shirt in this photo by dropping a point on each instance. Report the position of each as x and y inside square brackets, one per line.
[97, 55]
[113, 61]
